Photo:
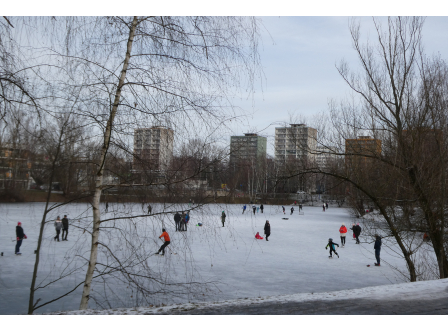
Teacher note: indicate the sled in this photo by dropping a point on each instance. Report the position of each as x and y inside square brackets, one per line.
[285, 218]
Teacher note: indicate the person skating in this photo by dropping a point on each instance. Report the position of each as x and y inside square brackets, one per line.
[283, 209]
[377, 248]
[323, 207]
[343, 232]
[292, 210]
[326, 206]
[20, 234]
[58, 227]
[107, 206]
[300, 207]
[357, 231]
[64, 227]
[149, 208]
[244, 208]
[223, 218]
[331, 244]
[267, 229]
[254, 208]
[261, 208]
[166, 237]
[177, 219]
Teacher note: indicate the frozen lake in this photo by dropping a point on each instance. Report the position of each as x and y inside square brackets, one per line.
[230, 259]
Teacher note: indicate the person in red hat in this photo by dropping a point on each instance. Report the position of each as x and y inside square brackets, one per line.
[20, 236]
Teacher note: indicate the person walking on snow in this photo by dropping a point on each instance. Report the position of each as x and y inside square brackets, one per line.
[343, 232]
[149, 209]
[357, 231]
[267, 229]
[331, 244]
[223, 218]
[244, 208]
[177, 219]
[261, 208]
[377, 248]
[187, 218]
[283, 209]
[20, 234]
[166, 237]
[254, 208]
[292, 210]
[58, 227]
[64, 227]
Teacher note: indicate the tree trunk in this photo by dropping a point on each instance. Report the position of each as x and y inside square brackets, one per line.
[99, 175]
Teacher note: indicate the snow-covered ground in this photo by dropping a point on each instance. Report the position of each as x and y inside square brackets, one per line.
[420, 291]
[293, 261]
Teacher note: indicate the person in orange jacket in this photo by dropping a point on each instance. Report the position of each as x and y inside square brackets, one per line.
[167, 241]
[343, 232]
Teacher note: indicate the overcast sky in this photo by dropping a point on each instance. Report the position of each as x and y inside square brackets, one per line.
[299, 59]
[298, 53]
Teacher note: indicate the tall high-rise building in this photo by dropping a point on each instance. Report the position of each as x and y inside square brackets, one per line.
[247, 148]
[153, 148]
[324, 157]
[295, 142]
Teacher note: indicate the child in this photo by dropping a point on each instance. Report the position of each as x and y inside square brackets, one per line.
[257, 236]
[332, 249]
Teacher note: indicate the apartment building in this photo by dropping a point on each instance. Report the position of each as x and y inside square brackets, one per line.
[247, 148]
[295, 142]
[324, 157]
[15, 167]
[361, 150]
[153, 148]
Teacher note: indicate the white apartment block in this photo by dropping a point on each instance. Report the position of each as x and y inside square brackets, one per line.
[324, 157]
[295, 142]
[153, 147]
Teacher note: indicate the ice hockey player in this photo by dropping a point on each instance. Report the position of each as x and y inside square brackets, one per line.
[223, 218]
[254, 208]
[331, 244]
[343, 232]
[292, 210]
[377, 248]
[283, 209]
[167, 241]
[20, 236]
[244, 208]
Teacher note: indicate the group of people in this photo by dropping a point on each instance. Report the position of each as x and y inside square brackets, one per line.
[356, 232]
[181, 220]
[324, 207]
[61, 225]
[254, 208]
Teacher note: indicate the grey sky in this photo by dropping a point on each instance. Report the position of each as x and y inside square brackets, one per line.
[299, 60]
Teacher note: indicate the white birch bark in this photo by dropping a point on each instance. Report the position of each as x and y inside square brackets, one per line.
[99, 176]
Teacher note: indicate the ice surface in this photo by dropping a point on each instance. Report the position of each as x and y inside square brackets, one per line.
[294, 260]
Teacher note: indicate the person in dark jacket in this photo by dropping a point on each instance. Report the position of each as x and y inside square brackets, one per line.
[20, 234]
[357, 232]
[64, 227]
[261, 208]
[182, 222]
[58, 227]
[377, 248]
[331, 244]
[267, 229]
[177, 219]
[254, 208]
[149, 209]
[223, 218]
[292, 210]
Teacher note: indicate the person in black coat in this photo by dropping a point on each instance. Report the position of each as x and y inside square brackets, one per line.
[267, 229]
[20, 234]
[261, 208]
[177, 219]
[377, 248]
[357, 232]
[64, 227]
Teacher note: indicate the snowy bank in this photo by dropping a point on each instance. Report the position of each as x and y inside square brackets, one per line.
[423, 290]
